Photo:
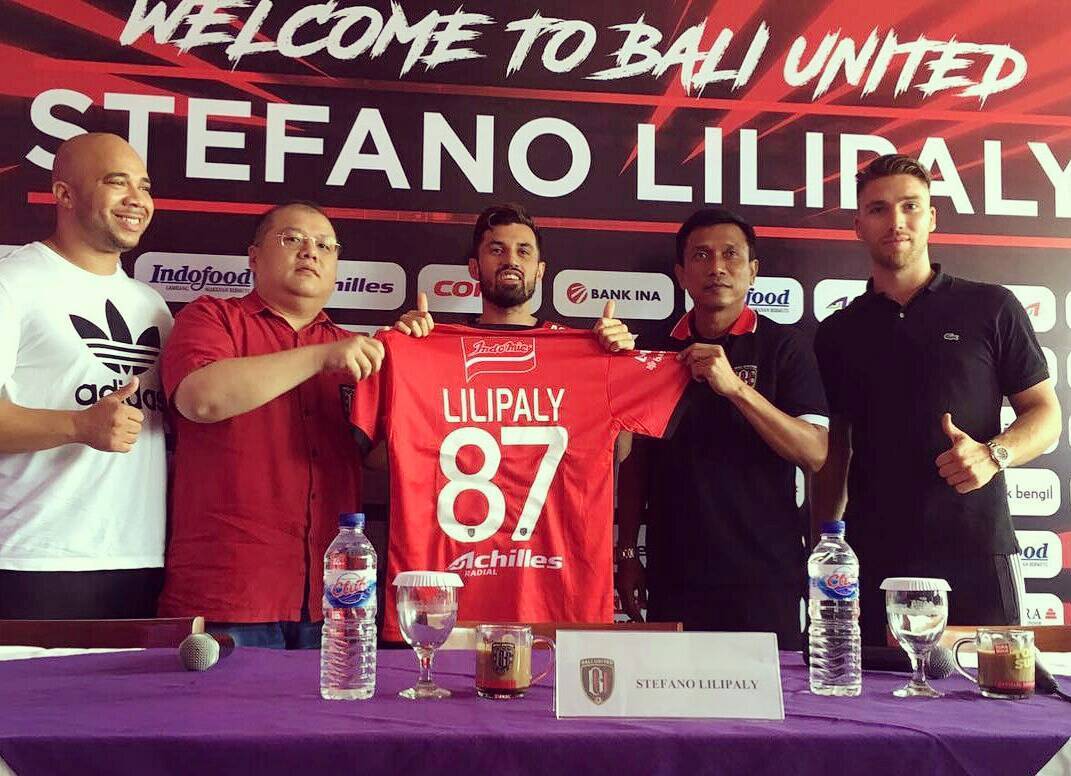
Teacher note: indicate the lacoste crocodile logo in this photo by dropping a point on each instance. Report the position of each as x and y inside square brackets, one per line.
[119, 352]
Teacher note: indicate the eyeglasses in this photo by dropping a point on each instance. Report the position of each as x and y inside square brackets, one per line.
[293, 240]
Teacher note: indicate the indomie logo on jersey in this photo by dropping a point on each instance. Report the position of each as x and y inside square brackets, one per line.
[497, 355]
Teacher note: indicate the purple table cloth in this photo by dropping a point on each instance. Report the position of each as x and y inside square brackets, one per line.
[259, 711]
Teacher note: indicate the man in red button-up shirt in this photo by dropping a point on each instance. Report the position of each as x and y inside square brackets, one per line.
[265, 460]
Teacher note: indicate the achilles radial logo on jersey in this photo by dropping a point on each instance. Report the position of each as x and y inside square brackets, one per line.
[497, 355]
[476, 564]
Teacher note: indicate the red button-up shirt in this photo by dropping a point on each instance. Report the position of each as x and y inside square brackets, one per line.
[255, 499]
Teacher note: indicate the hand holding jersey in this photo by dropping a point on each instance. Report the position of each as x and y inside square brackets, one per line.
[416, 323]
[613, 334]
[359, 355]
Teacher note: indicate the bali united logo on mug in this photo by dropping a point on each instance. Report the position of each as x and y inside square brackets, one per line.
[502, 653]
[597, 678]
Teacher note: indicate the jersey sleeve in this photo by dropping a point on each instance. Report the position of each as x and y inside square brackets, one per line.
[799, 384]
[368, 409]
[646, 390]
[9, 333]
[199, 337]
[1020, 362]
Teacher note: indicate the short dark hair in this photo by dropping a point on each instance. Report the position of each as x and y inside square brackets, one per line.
[712, 217]
[265, 219]
[503, 215]
[891, 164]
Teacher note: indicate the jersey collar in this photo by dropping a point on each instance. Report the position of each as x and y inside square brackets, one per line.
[746, 323]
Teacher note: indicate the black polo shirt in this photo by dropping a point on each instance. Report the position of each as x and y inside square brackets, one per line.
[722, 511]
[891, 372]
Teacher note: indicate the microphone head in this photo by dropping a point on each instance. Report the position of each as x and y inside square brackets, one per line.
[198, 652]
[939, 664]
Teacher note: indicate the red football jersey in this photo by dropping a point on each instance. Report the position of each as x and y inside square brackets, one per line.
[501, 449]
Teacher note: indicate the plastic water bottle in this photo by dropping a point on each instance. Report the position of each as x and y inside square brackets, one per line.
[833, 609]
[348, 648]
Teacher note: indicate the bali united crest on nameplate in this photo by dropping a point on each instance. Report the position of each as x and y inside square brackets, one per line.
[597, 678]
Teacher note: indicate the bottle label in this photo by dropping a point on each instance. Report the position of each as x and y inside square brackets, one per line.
[349, 589]
[835, 583]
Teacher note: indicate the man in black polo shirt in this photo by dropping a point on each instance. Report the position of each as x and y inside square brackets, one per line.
[725, 537]
[916, 370]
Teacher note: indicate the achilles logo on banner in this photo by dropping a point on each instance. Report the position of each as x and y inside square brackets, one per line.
[1042, 609]
[1034, 492]
[451, 289]
[584, 294]
[779, 299]
[1007, 417]
[1039, 303]
[1043, 554]
[368, 285]
[183, 277]
[835, 294]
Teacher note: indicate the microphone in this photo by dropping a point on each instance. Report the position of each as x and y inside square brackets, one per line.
[939, 664]
[201, 651]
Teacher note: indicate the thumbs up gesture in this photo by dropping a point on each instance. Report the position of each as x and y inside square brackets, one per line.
[111, 424]
[613, 335]
[418, 322]
[967, 464]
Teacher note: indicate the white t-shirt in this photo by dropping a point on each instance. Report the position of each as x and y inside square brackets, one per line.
[67, 338]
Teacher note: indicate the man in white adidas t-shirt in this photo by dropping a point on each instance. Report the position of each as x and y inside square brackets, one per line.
[82, 472]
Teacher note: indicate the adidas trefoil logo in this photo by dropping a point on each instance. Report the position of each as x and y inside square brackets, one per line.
[119, 352]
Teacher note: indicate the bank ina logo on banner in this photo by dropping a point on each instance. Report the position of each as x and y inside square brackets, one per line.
[498, 355]
[117, 349]
[584, 294]
[597, 678]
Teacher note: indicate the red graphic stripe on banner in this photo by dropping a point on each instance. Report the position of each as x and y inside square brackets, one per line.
[587, 224]
[239, 78]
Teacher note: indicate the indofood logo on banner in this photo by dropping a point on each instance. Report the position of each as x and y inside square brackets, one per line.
[451, 289]
[1042, 554]
[183, 277]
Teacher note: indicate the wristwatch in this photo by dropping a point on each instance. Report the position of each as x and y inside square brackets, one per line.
[1000, 454]
[626, 553]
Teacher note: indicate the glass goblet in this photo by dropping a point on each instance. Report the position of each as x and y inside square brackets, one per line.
[427, 611]
[917, 608]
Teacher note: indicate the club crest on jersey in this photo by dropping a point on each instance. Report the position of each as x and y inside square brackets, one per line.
[497, 355]
[749, 374]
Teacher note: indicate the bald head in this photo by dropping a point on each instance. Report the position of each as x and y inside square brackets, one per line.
[102, 193]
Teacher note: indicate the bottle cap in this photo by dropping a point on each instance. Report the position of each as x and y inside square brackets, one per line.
[428, 579]
[351, 520]
[833, 527]
[914, 583]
